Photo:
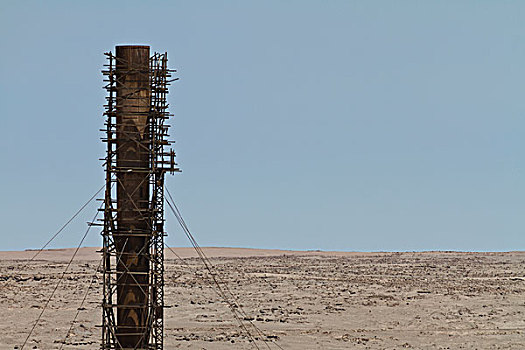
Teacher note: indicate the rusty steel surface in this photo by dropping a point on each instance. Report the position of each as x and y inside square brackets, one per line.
[133, 152]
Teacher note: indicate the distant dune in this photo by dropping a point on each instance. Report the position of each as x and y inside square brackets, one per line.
[93, 253]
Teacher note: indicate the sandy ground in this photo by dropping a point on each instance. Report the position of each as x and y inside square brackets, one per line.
[300, 300]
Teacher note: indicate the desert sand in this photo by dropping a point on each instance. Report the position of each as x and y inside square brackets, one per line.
[299, 300]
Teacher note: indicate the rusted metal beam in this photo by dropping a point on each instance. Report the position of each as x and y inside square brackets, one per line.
[133, 188]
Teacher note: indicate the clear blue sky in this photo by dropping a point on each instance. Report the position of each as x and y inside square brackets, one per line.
[340, 125]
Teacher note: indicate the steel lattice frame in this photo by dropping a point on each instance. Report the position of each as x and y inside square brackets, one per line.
[160, 161]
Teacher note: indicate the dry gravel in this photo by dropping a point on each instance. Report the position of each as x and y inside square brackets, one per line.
[300, 300]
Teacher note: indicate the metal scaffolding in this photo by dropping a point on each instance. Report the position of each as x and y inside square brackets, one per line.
[136, 161]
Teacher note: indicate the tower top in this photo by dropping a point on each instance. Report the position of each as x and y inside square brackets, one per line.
[133, 46]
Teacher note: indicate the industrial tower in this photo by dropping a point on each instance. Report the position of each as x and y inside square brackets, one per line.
[135, 164]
